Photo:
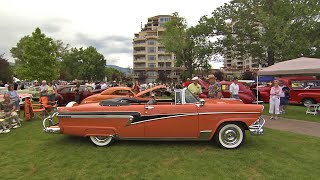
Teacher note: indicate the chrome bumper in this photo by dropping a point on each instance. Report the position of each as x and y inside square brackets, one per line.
[50, 128]
[257, 127]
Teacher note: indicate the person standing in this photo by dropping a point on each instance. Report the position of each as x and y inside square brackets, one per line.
[44, 89]
[195, 87]
[136, 87]
[77, 93]
[284, 97]
[214, 88]
[275, 93]
[51, 92]
[14, 97]
[234, 89]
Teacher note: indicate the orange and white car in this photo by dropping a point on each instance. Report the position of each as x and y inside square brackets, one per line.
[184, 118]
[117, 92]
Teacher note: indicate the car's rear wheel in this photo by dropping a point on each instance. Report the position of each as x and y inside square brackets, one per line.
[102, 140]
[230, 135]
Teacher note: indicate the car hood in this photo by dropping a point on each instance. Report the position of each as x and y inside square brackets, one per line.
[149, 90]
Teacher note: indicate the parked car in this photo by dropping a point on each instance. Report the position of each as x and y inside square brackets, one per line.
[117, 92]
[22, 96]
[302, 90]
[245, 93]
[66, 94]
[184, 118]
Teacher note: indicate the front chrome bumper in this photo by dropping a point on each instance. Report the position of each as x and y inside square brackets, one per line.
[51, 128]
[257, 127]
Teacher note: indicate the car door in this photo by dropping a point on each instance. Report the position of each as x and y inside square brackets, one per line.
[171, 121]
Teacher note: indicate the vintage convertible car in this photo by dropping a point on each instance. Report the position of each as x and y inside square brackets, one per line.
[185, 118]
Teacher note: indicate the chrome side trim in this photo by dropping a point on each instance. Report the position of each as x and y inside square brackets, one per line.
[168, 117]
[54, 130]
[208, 113]
[257, 127]
[162, 139]
[94, 116]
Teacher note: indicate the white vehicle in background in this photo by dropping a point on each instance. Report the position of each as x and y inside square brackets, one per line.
[22, 96]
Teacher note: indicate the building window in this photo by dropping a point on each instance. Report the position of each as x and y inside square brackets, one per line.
[151, 57]
[163, 20]
[151, 49]
[152, 65]
[151, 73]
[152, 42]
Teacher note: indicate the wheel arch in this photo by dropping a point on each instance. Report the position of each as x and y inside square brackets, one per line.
[234, 121]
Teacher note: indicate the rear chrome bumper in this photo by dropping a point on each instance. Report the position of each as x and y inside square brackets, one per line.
[257, 127]
[51, 128]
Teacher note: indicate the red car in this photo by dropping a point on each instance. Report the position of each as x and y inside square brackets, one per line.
[66, 94]
[303, 90]
[245, 93]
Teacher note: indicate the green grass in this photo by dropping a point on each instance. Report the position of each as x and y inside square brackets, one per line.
[297, 112]
[28, 153]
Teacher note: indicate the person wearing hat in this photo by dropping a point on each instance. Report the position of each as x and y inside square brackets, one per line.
[153, 100]
[214, 87]
[195, 87]
[43, 88]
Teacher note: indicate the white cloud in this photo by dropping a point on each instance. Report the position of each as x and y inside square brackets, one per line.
[110, 25]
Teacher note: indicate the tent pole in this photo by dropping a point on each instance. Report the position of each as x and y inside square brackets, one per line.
[257, 93]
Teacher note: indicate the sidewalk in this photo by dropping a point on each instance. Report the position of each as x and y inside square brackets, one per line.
[296, 126]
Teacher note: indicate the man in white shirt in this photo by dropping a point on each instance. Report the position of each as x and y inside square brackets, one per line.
[104, 85]
[234, 89]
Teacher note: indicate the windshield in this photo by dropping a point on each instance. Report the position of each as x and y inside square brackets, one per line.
[190, 98]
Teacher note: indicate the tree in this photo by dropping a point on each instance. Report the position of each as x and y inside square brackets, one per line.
[191, 49]
[163, 77]
[248, 75]
[114, 74]
[83, 63]
[36, 57]
[6, 73]
[269, 31]
[142, 78]
[219, 75]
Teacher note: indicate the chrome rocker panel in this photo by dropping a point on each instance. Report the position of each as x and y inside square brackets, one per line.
[257, 127]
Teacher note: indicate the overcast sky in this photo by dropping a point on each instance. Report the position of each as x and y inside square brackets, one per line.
[107, 25]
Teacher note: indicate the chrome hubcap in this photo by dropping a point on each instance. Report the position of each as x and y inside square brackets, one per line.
[230, 136]
[101, 138]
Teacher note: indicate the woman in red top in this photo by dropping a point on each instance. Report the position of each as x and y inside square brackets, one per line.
[275, 93]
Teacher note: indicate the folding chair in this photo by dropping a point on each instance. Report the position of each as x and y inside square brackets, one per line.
[32, 110]
[48, 105]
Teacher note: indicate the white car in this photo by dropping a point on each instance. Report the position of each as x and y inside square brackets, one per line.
[22, 96]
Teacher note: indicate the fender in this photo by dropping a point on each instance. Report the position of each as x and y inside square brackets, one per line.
[214, 129]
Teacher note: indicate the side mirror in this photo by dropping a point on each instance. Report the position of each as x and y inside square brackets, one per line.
[202, 102]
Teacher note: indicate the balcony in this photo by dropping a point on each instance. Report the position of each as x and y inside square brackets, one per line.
[139, 52]
[151, 36]
[140, 59]
[139, 45]
[141, 38]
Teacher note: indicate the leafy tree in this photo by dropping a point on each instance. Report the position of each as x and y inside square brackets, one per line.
[6, 73]
[36, 57]
[163, 77]
[142, 77]
[248, 75]
[266, 30]
[85, 64]
[191, 50]
[114, 74]
[219, 75]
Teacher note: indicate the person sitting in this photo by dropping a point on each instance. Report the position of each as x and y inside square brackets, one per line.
[195, 87]
[8, 109]
[152, 101]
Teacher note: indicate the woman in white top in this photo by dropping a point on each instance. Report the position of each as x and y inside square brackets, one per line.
[275, 93]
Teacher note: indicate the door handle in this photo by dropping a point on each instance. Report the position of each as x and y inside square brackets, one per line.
[149, 107]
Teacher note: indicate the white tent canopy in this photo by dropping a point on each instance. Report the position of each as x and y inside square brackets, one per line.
[301, 65]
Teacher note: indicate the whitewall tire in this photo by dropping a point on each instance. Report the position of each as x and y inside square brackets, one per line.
[102, 140]
[230, 135]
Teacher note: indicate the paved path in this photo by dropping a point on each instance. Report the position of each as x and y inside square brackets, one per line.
[296, 126]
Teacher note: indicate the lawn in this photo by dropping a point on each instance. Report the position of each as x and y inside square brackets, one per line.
[28, 153]
[295, 112]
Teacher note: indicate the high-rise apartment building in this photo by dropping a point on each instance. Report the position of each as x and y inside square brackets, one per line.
[150, 58]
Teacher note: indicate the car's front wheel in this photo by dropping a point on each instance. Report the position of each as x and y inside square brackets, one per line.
[230, 135]
[102, 140]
